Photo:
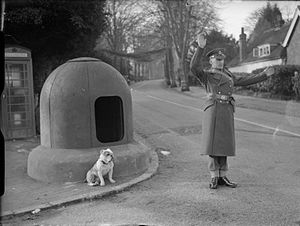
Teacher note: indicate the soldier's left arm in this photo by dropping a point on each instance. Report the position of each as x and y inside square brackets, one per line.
[249, 80]
[254, 78]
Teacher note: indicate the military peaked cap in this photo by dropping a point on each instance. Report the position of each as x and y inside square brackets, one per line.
[215, 52]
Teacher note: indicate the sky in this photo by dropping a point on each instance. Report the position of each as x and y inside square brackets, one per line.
[234, 13]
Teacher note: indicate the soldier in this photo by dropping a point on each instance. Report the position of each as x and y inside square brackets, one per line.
[296, 84]
[218, 139]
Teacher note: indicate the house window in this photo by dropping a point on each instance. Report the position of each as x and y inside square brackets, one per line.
[109, 119]
[268, 50]
[255, 52]
[264, 50]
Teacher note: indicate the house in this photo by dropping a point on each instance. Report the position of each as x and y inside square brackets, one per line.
[292, 40]
[276, 46]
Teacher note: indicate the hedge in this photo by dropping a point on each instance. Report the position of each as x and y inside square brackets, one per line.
[279, 85]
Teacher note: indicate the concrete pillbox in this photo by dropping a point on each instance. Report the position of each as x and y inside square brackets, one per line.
[85, 105]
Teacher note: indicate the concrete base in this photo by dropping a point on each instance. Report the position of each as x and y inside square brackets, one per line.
[71, 165]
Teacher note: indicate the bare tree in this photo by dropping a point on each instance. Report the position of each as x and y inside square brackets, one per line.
[140, 25]
[124, 18]
[252, 20]
[184, 20]
[262, 19]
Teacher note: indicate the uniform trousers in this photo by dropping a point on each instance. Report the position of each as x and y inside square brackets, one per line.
[217, 166]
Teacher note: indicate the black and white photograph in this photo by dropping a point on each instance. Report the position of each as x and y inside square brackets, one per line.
[150, 113]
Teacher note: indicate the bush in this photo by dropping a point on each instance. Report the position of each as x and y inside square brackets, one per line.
[279, 85]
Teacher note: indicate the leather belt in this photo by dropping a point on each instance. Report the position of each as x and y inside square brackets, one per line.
[223, 97]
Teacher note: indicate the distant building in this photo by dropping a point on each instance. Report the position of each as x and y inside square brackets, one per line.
[276, 46]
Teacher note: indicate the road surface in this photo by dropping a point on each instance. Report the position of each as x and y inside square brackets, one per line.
[266, 169]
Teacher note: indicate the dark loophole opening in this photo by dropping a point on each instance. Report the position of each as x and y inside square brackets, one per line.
[109, 119]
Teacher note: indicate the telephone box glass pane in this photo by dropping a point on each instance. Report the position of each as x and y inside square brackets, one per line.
[18, 100]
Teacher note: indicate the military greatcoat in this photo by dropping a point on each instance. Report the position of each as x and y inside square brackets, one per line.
[218, 138]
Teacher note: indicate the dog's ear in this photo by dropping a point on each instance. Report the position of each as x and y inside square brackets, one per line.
[101, 151]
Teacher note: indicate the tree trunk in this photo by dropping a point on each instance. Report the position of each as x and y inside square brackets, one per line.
[171, 68]
[135, 71]
[184, 82]
[139, 71]
[167, 72]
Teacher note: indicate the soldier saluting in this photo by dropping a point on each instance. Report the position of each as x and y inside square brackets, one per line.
[218, 139]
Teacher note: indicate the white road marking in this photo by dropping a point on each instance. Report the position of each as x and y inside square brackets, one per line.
[174, 103]
[276, 130]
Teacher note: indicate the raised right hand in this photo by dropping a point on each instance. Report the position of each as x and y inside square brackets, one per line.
[201, 39]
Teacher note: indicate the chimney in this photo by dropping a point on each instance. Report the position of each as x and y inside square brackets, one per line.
[242, 44]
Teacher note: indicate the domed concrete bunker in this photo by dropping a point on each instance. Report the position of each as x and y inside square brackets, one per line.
[85, 105]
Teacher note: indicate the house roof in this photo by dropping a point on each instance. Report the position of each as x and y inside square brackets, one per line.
[292, 27]
[274, 37]
[271, 36]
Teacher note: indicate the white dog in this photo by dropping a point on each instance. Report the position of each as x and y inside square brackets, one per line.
[103, 166]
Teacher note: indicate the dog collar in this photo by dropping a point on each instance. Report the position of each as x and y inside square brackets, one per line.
[105, 162]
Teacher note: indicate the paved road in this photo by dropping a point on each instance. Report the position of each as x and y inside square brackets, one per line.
[266, 168]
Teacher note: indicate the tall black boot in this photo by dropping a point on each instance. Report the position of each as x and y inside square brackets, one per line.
[225, 181]
[214, 183]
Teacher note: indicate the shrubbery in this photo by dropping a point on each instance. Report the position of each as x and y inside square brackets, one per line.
[279, 85]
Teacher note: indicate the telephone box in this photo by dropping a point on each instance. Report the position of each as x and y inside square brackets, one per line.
[17, 105]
